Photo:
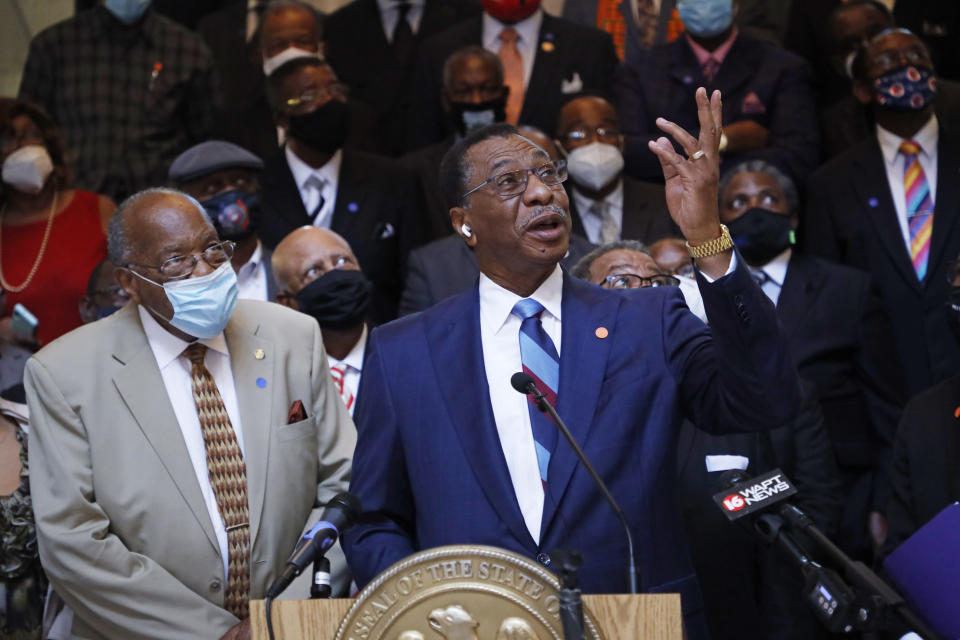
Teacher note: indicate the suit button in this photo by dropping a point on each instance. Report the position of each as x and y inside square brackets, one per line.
[214, 585]
[543, 559]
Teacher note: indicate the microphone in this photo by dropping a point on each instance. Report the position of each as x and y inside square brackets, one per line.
[523, 383]
[743, 495]
[339, 514]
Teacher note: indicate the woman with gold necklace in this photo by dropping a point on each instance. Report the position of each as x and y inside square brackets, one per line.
[51, 236]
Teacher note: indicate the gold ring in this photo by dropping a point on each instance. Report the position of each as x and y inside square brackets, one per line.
[699, 154]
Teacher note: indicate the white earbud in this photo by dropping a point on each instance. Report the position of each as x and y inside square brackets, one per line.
[467, 231]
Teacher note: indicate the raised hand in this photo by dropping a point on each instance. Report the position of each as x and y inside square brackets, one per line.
[691, 182]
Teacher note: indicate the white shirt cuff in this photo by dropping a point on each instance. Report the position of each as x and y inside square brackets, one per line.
[730, 269]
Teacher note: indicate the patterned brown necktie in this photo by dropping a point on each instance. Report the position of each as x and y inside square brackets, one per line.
[228, 476]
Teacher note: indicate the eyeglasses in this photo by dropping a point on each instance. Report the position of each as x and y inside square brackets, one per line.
[317, 96]
[633, 281]
[513, 183]
[603, 134]
[180, 267]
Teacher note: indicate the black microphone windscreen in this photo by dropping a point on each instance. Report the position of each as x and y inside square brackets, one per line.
[521, 382]
[347, 504]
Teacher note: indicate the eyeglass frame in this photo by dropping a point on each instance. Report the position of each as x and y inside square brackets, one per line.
[560, 165]
[195, 257]
[667, 276]
[334, 91]
[596, 132]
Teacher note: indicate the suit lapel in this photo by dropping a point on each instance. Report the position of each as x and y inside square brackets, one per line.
[142, 389]
[635, 223]
[948, 197]
[279, 180]
[873, 191]
[583, 359]
[800, 288]
[454, 340]
[254, 380]
[544, 81]
[351, 191]
[735, 70]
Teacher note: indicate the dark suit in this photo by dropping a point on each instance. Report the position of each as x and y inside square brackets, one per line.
[357, 47]
[447, 266]
[926, 461]
[750, 592]
[645, 214]
[563, 49]
[425, 163]
[430, 469]
[758, 81]
[378, 211]
[851, 219]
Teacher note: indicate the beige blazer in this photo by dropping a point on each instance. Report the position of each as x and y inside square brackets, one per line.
[123, 531]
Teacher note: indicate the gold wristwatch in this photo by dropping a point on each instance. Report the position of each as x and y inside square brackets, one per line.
[714, 247]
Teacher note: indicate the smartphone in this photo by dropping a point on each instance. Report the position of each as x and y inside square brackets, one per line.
[24, 323]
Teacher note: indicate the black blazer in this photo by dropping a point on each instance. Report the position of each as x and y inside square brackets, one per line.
[448, 266]
[926, 461]
[356, 46]
[564, 49]
[851, 219]
[378, 210]
[839, 338]
[645, 214]
[759, 82]
[425, 163]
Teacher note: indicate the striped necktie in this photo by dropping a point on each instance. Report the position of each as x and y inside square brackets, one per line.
[919, 207]
[228, 477]
[540, 361]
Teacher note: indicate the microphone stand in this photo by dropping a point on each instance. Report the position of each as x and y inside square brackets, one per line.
[547, 408]
[320, 586]
[571, 603]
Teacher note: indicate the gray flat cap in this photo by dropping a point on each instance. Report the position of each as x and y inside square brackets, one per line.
[213, 155]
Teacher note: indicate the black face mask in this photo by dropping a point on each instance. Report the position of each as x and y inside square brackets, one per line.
[324, 128]
[467, 116]
[232, 213]
[338, 299]
[953, 310]
[761, 235]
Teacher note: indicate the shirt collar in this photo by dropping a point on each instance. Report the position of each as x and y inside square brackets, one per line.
[167, 347]
[614, 198]
[330, 171]
[496, 302]
[387, 5]
[354, 359]
[106, 24]
[528, 29]
[251, 265]
[927, 139]
[718, 54]
[776, 269]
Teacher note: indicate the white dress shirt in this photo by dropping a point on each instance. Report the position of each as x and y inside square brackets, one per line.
[352, 367]
[500, 337]
[776, 271]
[528, 37]
[252, 276]
[893, 162]
[389, 14]
[329, 173]
[592, 224]
[175, 371]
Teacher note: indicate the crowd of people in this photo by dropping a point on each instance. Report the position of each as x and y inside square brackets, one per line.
[252, 256]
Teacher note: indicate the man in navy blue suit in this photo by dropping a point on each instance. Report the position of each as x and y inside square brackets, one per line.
[448, 452]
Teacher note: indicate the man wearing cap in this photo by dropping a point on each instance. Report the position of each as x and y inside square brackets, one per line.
[223, 178]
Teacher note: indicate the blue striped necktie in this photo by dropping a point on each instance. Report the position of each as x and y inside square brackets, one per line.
[540, 360]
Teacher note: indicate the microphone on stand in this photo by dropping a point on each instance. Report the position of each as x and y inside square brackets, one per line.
[525, 384]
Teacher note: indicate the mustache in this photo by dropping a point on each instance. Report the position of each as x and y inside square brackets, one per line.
[539, 212]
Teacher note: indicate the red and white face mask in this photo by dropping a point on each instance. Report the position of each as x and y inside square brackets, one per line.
[510, 10]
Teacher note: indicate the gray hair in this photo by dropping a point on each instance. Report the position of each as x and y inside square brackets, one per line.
[582, 268]
[118, 248]
[762, 166]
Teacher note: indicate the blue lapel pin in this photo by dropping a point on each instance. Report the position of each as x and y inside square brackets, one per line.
[352, 207]
[873, 202]
[262, 383]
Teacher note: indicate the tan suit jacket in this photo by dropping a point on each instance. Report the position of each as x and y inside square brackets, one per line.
[123, 531]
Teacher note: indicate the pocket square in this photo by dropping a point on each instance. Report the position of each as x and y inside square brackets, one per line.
[725, 463]
[384, 230]
[296, 413]
[752, 104]
[573, 85]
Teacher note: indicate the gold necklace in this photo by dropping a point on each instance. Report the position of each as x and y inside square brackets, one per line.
[43, 248]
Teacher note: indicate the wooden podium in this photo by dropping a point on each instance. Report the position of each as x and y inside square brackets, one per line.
[621, 617]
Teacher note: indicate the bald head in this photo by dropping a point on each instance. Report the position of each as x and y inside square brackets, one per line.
[289, 24]
[149, 218]
[540, 139]
[581, 118]
[306, 254]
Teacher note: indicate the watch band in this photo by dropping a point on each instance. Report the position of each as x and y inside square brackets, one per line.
[714, 247]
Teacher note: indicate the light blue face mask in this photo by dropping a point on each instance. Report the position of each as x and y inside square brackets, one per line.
[201, 306]
[127, 11]
[705, 18]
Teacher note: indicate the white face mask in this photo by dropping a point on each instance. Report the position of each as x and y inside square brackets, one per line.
[28, 168]
[273, 63]
[595, 165]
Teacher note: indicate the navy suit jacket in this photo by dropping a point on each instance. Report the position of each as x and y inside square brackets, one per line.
[430, 470]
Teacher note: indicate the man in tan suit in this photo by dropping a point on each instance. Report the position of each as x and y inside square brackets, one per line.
[154, 519]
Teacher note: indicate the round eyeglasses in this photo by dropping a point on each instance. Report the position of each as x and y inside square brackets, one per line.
[633, 281]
